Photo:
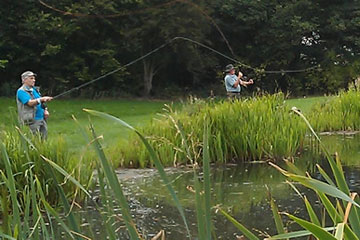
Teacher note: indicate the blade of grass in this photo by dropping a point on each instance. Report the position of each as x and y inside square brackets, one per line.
[297, 234]
[339, 234]
[239, 226]
[107, 218]
[330, 209]
[66, 175]
[199, 208]
[314, 219]
[317, 185]
[317, 231]
[207, 187]
[322, 187]
[325, 175]
[155, 159]
[277, 218]
[12, 189]
[70, 216]
[4, 236]
[51, 210]
[5, 225]
[115, 186]
[34, 204]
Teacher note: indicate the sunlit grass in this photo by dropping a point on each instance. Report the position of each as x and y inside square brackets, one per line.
[306, 104]
[136, 112]
[249, 129]
[252, 129]
[338, 113]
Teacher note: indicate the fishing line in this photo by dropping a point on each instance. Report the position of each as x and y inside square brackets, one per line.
[257, 70]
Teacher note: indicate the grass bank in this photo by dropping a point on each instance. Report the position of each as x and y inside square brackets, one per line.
[135, 112]
[66, 145]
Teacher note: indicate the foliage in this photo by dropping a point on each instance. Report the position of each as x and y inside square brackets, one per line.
[242, 130]
[339, 113]
[343, 211]
[24, 156]
[250, 129]
[69, 43]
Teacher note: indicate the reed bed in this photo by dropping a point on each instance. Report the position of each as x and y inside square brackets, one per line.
[241, 130]
[259, 128]
[339, 204]
[25, 150]
[341, 113]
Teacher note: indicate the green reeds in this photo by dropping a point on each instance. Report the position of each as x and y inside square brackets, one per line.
[26, 220]
[258, 128]
[345, 223]
[23, 149]
[155, 159]
[339, 113]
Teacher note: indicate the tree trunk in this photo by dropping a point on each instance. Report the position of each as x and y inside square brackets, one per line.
[149, 72]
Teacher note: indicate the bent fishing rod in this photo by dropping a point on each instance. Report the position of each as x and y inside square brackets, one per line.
[188, 40]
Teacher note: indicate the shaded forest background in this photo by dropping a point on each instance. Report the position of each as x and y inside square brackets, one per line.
[68, 43]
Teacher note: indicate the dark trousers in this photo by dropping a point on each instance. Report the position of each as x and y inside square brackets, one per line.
[233, 95]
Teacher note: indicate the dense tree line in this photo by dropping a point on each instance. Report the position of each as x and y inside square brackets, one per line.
[69, 43]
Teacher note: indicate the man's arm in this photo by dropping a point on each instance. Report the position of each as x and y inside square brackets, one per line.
[25, 98]
[245, 83]
[238, 80]
[36, 101]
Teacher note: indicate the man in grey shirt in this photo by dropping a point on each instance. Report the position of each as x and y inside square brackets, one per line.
[233, 82]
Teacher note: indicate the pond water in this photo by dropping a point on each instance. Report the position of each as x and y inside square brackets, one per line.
[241, 190]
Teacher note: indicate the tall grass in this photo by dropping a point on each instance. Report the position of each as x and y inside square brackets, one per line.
[258, 128]
[343, 209]
[339, 113]
[194, 149]
[28, 202]
[24, 151]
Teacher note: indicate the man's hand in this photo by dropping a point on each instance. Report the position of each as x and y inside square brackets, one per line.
[46, 114]
[36, 101]
[46, 99]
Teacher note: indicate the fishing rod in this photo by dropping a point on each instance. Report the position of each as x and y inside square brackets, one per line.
[258, 70]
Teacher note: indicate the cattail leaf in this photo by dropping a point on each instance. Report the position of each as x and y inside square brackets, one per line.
[239, 226]
[316, 230]
[296, 234]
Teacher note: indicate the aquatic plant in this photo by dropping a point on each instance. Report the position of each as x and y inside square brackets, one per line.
[23, 215]
[23, 206]
[343, 212]
[25, 150]
[240, 130]
[338, 113]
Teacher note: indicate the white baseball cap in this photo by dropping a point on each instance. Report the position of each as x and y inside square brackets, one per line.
[27, 74]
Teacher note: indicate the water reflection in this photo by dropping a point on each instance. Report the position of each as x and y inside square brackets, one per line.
[240, 189]
[348, 147]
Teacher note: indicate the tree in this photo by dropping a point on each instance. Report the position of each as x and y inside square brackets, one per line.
[151, 29]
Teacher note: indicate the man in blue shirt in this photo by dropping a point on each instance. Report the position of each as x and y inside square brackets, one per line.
[31, 110]
[233, 82]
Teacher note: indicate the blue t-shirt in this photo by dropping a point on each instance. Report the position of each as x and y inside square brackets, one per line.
[24, 97]
[230, 79]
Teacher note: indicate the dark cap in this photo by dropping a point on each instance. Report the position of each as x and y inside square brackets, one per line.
[229, 67]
